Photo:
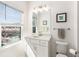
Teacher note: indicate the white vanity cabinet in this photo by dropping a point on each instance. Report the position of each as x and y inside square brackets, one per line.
[39, 46]
[43, 51]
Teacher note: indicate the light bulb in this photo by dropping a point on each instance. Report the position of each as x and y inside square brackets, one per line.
[40, 9]
[35, 10]
[45, 8]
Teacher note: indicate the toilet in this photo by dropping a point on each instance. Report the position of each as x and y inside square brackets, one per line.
[61, 48]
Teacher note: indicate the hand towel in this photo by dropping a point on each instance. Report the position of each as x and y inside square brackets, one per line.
[61, 33]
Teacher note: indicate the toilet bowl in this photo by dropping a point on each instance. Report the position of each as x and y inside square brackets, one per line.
[61, 48]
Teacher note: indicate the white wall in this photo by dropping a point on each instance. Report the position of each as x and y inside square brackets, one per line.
[70, 7]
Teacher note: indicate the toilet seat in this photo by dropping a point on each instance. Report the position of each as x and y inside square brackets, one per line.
[61, 55]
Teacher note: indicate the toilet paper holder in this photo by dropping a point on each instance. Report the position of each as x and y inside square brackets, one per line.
[73, 52]
[76, 53]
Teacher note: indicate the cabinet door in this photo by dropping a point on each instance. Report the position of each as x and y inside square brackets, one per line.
[42, 51]
[2, 13]
[35, 48]
[12, 15]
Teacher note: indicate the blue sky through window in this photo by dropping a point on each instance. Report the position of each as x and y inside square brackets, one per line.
[12, 15]
[2, 13]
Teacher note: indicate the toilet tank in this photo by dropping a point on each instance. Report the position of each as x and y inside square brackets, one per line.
[61, 47]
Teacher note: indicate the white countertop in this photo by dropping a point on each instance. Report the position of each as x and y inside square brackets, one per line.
[44, 37]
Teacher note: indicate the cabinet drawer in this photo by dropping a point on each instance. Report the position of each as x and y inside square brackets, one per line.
[34, 41]
[43, 43]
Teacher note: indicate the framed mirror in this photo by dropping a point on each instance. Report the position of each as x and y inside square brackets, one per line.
[41, 20]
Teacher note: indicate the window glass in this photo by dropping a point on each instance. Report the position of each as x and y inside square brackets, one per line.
[12, 15]
[2, 13]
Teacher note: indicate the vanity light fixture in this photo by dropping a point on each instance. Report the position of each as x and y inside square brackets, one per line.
[45, 8]
[35, 10]
[40, 9]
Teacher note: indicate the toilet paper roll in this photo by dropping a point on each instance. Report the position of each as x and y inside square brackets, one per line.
[73, 52]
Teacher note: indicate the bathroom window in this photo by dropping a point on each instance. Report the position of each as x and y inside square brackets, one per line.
[10, 34]
[12, 15]
[9, 15]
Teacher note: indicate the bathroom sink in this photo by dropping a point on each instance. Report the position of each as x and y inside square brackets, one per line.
[38, 36]
[35, 36]
[43, 37]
